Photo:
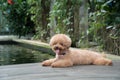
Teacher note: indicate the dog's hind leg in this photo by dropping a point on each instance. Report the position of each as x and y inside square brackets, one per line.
[103, 61]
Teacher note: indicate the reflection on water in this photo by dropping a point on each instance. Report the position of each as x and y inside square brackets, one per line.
[13, 54]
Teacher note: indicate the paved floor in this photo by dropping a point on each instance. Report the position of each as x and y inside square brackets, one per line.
[36, 72]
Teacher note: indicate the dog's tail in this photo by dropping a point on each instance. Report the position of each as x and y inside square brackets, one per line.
[104, 55]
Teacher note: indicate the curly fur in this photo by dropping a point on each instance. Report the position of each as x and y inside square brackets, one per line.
[66, 56]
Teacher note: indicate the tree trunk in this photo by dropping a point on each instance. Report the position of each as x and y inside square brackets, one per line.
[76, 35]
[53, 20]
[44, 17]
[80, 35]
[83, 24]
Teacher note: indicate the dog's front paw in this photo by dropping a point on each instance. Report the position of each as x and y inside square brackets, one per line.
[54, 65]
[46, 63]
[57, 65]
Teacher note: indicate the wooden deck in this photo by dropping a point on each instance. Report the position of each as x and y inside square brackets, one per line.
[35, 71]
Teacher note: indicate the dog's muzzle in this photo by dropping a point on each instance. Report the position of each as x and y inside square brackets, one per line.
[58, 51]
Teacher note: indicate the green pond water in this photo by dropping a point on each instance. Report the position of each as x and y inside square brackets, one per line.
[13, 54]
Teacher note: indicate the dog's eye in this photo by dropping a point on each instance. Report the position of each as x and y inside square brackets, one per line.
[62, 44]
[54, 43]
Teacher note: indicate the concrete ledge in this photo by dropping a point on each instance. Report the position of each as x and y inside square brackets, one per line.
[31, 44]
[7, 37]
[35, 45]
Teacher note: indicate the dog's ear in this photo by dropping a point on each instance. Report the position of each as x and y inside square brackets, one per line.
[51, 41]
[68, 42]
[50, 44]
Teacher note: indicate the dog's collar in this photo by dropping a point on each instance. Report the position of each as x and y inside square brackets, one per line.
[62, 54]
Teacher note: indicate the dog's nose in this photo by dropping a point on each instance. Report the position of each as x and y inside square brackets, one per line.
[56, 48]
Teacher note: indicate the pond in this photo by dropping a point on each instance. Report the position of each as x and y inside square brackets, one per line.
[14, 54]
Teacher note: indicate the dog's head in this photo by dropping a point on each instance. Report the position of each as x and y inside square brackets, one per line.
[60, 43]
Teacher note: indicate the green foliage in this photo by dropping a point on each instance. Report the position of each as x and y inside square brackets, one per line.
[53, 16]
[18, 17]
[104, 25]
[40, 10]
[59, 14]
[62, 12]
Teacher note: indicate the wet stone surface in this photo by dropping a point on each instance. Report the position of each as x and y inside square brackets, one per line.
[82, 72]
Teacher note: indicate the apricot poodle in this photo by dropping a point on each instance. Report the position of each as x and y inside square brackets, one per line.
[66, 56]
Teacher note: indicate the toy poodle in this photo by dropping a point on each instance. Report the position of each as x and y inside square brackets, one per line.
[66, 56]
